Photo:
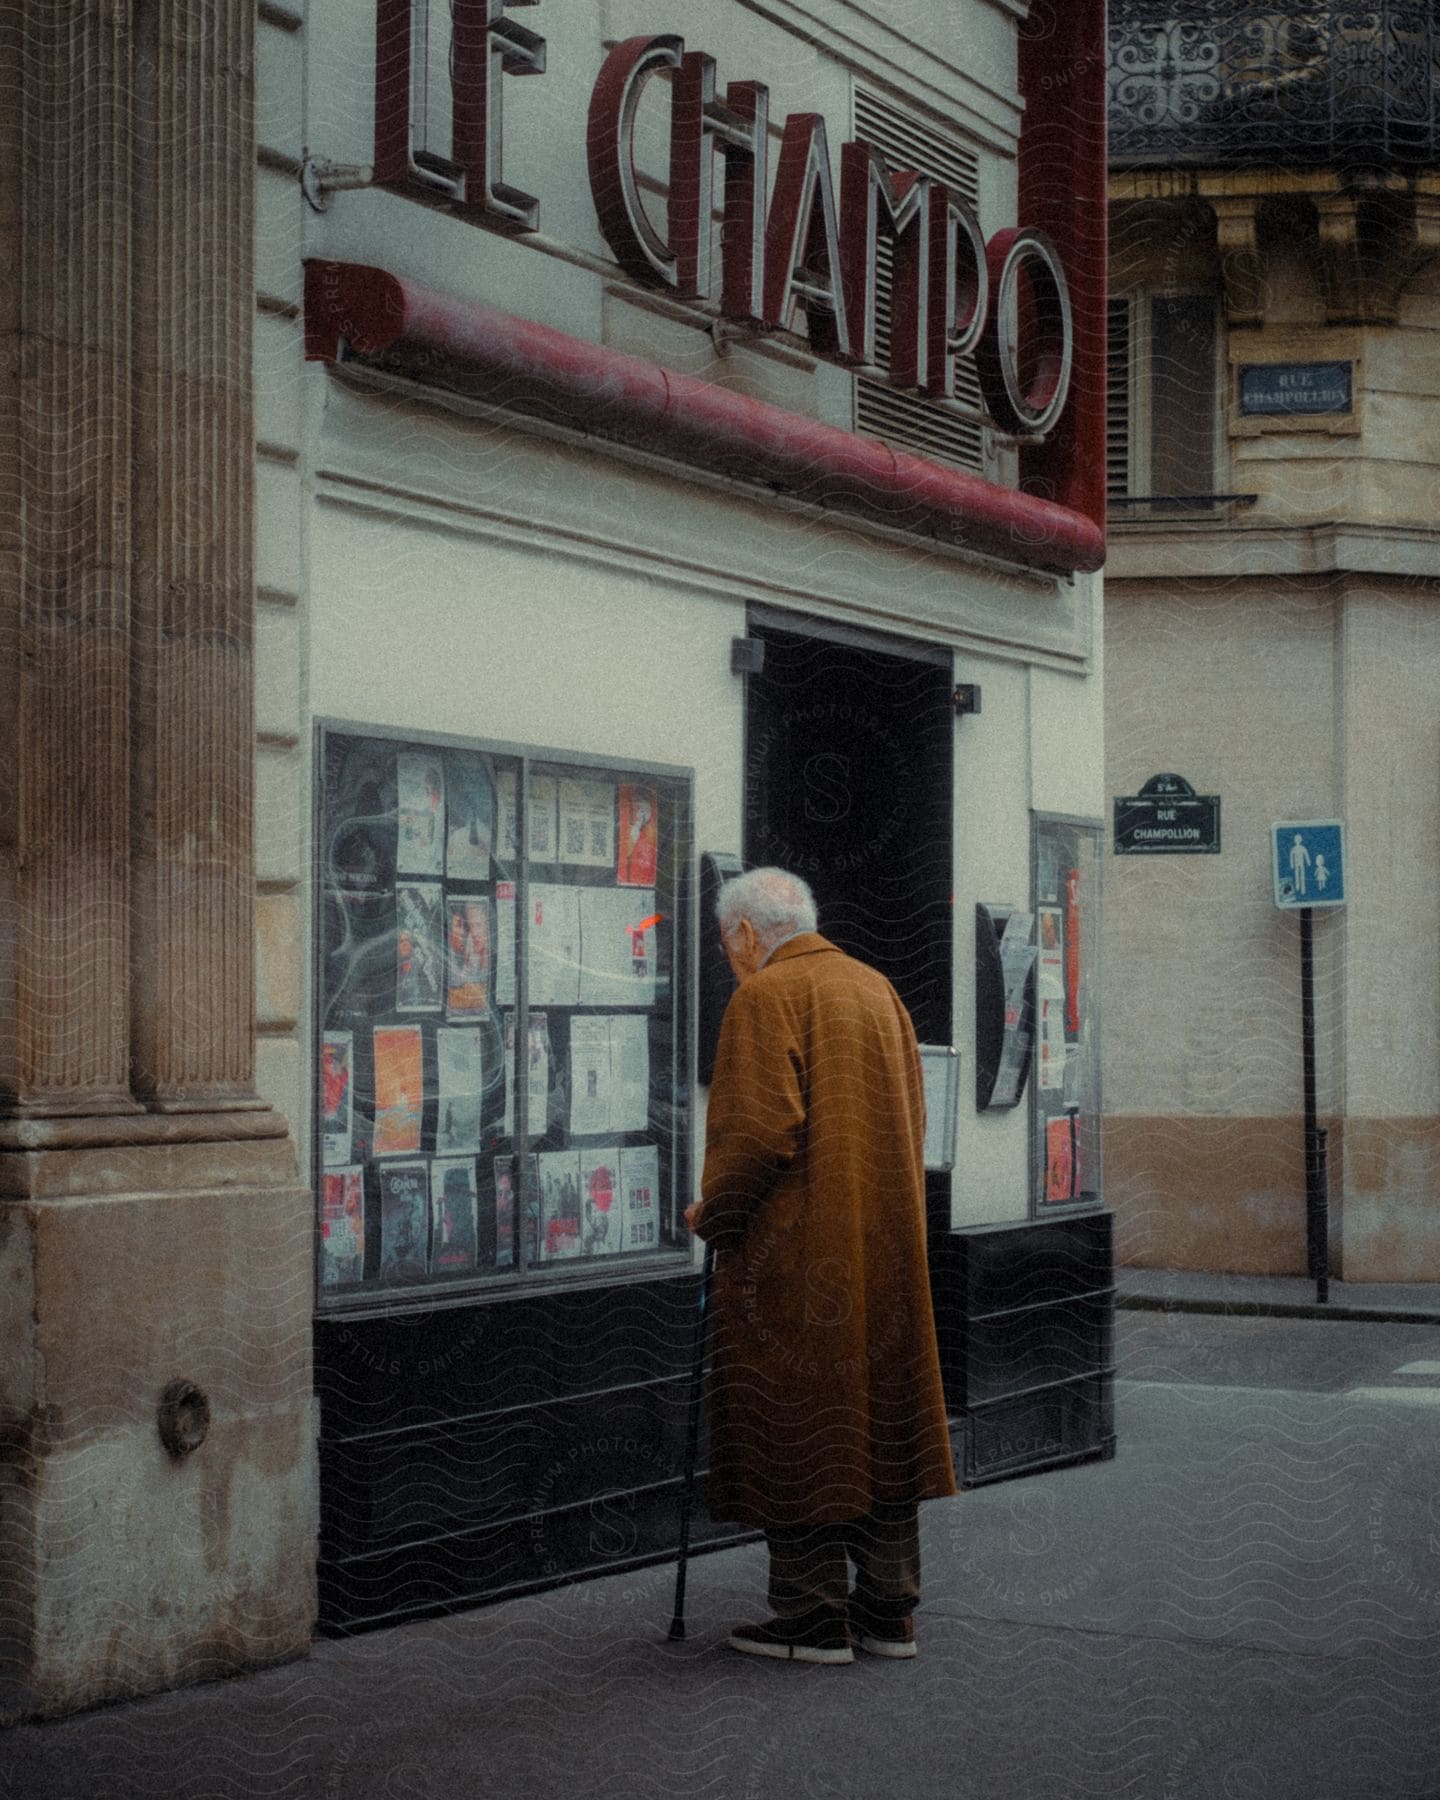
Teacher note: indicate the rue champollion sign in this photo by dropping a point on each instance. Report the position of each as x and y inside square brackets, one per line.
[1167, 818]
[1281, 389]
[1307, 863]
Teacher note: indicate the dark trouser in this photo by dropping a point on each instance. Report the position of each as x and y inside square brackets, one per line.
[809, 1565]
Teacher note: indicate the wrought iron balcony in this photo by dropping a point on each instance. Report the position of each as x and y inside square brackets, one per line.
[1203, 82]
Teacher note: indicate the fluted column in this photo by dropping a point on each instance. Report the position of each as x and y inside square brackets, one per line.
[65, 546]
[192, 981]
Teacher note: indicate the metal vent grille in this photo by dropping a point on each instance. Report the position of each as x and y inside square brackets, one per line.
[928, 427]
[1117, 400]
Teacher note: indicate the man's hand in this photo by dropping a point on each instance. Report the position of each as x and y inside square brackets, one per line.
[692, 1214]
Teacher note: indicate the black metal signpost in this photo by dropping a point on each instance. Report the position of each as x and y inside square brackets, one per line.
[1317, 1212]
[1308, 871]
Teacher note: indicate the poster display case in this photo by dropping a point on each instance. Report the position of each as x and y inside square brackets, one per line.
[501, 1093]
[1065, 1087]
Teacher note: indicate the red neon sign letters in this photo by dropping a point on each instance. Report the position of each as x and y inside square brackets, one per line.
[439, 126]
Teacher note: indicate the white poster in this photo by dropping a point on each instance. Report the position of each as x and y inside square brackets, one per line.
[617, 940]
[629, 1072]
[600, 1227]
[589, 1075]
[1050, 1044]
[640, 1198]
[507, 818]
[505, 943]
[420, 799]
[560, 1208]
[538, 1073]
[460, 1083]
[554, 945]
[544, 801]
[587, 823]
[609, 1073]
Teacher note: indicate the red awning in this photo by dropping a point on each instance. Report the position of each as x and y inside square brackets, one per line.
[538, 372]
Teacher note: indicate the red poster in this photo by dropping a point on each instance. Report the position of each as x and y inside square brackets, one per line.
[1061, 1172]
[637, 851]
[399, 1090]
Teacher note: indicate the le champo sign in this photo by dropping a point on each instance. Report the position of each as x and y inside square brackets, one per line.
[1167, 818]
[800, 244]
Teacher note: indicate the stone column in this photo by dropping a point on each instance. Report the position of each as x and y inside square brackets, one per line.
[193, 978]
[157, 1434]
[65, 448]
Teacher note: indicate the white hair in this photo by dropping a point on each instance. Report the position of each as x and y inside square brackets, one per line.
[777, 904]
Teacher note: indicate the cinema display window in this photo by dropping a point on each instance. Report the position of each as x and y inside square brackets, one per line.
[501, 1088]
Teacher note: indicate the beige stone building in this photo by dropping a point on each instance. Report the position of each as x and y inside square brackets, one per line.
[1273, 624]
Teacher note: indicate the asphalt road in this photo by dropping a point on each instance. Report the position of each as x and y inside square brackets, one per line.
[1245, 1603]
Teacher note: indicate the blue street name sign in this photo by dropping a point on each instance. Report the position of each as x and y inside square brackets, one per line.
[1308, 863]
[1304, 388]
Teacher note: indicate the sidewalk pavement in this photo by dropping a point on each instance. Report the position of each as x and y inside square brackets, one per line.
[1240, 1603]
[1277, 1296]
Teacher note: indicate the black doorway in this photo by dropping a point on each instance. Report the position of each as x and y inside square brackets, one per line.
[849, 764]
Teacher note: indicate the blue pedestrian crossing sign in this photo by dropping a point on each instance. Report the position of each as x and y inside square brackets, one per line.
[1308, 863]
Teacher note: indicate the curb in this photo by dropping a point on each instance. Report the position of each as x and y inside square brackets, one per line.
[1277, 1309]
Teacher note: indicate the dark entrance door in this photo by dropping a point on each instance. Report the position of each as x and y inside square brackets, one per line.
[848, 777]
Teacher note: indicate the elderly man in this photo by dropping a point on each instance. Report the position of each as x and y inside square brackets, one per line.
[827, 1419]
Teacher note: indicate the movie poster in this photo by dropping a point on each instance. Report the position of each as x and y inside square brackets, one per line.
[420, 801]
[1072, 952]
[359, 956]
[404, 1221]
[460, 1090]
[419, 946]
[342, 1227]
[470, 807]
[1061, 1163]
[505, 904]
[561, 1211]
[359, 815]
[399, 1090]
[587, 823]
[507, 817]
[600, 1222]
[505, 1185]
[337, 1084]
[537, 1074]
[468, 993]
[453, 1202]
[638, 848]
[617, 944]
[640, 1198]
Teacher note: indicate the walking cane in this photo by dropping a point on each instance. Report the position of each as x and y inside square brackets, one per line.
[692, 1445]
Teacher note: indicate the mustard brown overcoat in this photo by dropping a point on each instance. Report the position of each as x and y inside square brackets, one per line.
[825, 1390]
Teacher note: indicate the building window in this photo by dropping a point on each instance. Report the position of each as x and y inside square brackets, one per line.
[1163, 406]
[502, 1085]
